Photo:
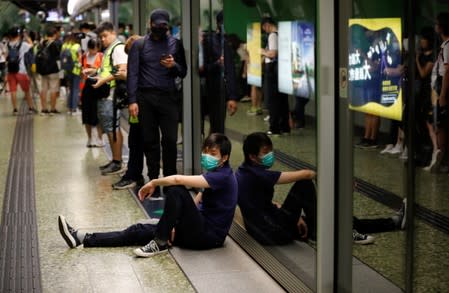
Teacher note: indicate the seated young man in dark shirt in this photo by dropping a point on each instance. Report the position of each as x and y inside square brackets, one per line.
[266, 221]
[273, 224]
[199, 223]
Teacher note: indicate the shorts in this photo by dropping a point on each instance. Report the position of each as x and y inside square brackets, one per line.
[50, 83]
[18, 78]
[106, 115]
[89, 106]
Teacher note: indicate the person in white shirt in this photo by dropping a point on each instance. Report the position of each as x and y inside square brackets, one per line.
[20, 77]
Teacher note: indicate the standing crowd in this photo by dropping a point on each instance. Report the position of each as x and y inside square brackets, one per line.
[142, 75]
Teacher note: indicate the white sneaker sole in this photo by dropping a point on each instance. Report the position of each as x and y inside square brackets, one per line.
[369, 239]
[140, 253]
[63, 229]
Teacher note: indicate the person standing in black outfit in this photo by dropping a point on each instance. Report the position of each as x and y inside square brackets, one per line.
[277, 102]
[219, 73]
[155, 61]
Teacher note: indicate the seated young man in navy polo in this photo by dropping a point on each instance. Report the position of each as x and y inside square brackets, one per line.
[268, 222]
[273, 224]
[196, 223]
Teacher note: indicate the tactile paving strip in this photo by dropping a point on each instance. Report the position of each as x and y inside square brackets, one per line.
[19, 251]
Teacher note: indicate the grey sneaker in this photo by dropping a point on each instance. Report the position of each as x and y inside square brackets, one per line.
[113, 168]
[102, 167]
[68, 233]
[363, 239]
[124, 184]
[150, 249]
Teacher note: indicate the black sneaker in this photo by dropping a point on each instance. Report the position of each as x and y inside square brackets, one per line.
[363, 142]
[68, 233]
[105, 166]
[32, 111]
[359, 238]
[44, 112]
[124, 184]
[15, 112]
[113, 168]
[54, 112]
[150, 249]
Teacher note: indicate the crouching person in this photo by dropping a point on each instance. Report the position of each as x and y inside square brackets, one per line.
[196, 223]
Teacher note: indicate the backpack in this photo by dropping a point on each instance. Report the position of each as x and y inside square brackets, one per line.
[42, 60]
[120, 92]
[29, 60]
[13, 58]
[67, 63]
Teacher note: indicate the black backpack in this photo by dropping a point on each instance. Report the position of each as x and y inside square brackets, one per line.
[13, 58]
[120, 92]
[42, 60]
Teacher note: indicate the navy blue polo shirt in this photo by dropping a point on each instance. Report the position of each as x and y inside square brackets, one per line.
[256, 190]
[219, 201]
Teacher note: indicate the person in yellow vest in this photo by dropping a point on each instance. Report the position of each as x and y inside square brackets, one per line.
[114, 60]
[70, 63]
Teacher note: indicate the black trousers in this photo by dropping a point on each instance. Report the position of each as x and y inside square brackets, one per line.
[300, 108]
[215, 103]
[137, 234]
[277, 102]
[374, 225]
[159, 111]
[135, 161]
[181, 213]
[280, 227]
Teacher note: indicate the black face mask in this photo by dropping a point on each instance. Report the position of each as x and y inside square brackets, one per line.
[159, 32]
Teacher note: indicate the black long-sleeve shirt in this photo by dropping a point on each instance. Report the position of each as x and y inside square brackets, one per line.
[212, 50]
[145, 70]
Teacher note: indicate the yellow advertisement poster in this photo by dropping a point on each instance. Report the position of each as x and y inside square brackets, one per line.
[375, 67]
[254, 43]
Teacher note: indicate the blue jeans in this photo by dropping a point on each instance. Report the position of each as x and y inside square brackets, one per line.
[74, 90]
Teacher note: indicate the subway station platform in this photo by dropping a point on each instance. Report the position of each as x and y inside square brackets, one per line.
[47, 170]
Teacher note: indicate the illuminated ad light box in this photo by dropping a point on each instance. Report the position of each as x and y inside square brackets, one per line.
[254, 44]
[375, 70]
[296, 58]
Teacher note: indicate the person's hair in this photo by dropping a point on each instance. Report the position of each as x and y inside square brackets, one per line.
[267, 19]
[428, 33]
[14, 32]
[51, 31]
[85, 25]
[219, 18]
[254, 142]
[130, 42]
[220, 141]
[93, 44]
[105, 26]
[443, 22]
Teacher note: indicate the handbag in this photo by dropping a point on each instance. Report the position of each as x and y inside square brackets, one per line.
[103, 91]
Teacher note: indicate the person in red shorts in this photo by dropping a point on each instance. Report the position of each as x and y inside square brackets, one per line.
[17, 74]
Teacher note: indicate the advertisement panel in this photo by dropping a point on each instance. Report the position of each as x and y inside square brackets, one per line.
[375, 66]
[254, 44]
[296, 57]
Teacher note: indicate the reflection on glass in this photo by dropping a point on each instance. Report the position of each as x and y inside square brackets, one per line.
[432, 200]
[375, 77]
[276, 80]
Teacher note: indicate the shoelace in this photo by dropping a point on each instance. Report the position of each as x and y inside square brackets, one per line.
[71, 230]
[151, 247]
[357, 235]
